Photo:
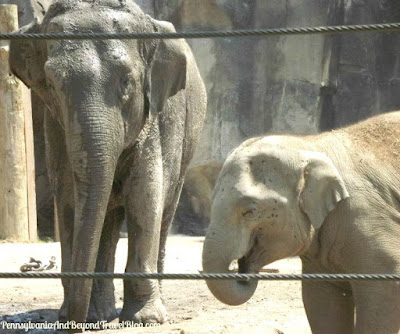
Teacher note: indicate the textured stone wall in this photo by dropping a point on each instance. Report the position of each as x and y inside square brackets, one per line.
[362, 70]
[28, 10]
[301, 84]
[289, 84]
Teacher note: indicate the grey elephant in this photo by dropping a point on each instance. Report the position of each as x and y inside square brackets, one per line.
[334, 200]
[122, 124]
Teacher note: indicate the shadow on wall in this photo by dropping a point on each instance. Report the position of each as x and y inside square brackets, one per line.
[193, 212]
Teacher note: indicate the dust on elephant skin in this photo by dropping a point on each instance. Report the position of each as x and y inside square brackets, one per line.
[123, 121]
[334, 200]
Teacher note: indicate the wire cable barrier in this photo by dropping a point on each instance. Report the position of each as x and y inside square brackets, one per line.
[384, 27]
[213, 276]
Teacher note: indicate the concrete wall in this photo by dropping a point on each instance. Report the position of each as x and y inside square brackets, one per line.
[301, 84]
[289, 84]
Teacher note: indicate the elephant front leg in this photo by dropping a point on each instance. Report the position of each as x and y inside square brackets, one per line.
[144, 208]
[329, 309]
[61, 183]
[65, 216]
[102, 301]
[378, 306]
[329, 306]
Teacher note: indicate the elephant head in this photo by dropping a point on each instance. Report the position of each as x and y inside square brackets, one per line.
[103, 93]
[269, 199]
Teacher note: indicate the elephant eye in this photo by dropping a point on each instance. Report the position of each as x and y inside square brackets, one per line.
[250, 211]
[126, 87]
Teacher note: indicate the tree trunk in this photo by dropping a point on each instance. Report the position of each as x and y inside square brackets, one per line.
[16, 177]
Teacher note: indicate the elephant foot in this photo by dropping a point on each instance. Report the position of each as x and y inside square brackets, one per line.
[144, 312]
[101, 311]
[102, 302]
[63, 312]
[63, 318]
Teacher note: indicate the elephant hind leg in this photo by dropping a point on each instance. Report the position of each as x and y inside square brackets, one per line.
[168, 217]
[102, 301]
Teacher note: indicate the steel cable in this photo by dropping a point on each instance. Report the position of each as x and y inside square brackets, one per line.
[209, 276]
[384, 27]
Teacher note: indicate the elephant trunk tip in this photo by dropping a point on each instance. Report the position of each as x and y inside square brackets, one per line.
[230, 292]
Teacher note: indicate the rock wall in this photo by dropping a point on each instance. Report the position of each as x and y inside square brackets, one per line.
[363, 69]
[28, 10]
[288, 84]
[292, 84]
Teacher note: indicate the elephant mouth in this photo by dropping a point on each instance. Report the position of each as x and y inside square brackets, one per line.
[244, 265]
[248, 264]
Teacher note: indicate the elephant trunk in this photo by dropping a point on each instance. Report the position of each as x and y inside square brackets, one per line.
[217, 257]
[94, 141]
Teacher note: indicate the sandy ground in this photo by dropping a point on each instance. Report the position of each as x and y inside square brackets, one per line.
[276, 306]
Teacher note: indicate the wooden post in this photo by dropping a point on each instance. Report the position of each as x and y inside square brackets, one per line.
[30, 163]
[17, 191]
[56, 225]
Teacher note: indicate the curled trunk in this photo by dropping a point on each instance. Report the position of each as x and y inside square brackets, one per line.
[217, 259]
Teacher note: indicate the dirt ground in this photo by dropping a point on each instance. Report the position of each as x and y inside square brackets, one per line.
[276, 307]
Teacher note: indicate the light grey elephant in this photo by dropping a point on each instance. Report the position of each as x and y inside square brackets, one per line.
[334, 200]
[123, 121]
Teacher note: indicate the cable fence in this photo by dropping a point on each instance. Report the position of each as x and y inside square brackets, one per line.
[384, 27]
[209, 276]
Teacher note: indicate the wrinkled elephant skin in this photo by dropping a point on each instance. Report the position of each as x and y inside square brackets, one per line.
[124, 119]
[334, 200]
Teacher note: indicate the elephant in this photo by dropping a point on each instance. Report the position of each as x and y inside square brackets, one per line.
[123, 121]
[333, 199]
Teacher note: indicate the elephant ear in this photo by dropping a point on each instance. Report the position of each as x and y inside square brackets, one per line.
[27, 59]
[322, 190]
[167, 68]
